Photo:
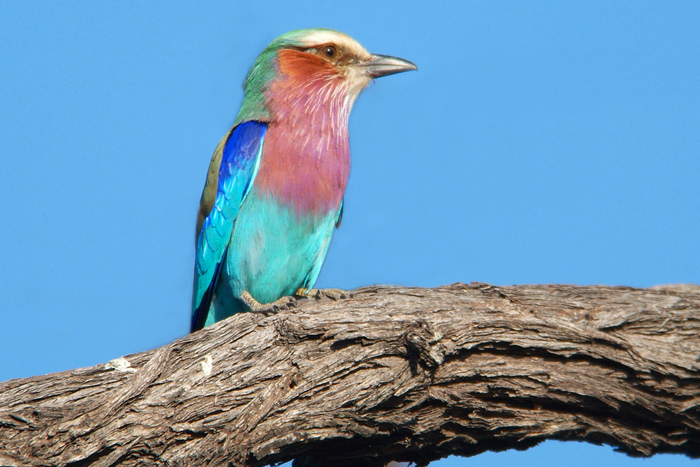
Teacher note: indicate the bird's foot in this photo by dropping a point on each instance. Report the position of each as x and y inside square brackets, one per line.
[333, 294]
[284, 303]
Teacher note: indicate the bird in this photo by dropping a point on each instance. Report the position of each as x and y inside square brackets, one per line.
[275, 186]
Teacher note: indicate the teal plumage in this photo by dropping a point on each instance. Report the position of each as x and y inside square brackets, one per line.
[275, 186]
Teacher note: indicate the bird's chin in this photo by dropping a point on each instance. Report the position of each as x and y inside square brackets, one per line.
[357, 81]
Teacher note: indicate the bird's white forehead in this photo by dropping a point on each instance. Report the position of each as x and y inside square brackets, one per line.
[323, 36]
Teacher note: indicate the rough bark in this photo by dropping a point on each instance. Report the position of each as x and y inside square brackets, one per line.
[393, 373]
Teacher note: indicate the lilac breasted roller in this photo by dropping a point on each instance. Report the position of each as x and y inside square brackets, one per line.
[274, 190]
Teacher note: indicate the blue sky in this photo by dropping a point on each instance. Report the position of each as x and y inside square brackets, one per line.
[539, 142]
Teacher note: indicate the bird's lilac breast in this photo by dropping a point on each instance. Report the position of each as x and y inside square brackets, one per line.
[306, 155]
[305, 170]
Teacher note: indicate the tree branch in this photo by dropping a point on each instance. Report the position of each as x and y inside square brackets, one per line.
[394, 373]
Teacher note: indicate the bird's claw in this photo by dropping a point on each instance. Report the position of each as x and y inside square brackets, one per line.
[284, 303]
[333, 294]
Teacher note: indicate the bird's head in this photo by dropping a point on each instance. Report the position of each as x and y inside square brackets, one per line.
[310, 70]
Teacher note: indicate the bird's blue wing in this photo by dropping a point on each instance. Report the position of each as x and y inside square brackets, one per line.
[239, 165]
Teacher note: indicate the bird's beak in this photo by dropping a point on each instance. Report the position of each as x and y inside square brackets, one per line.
[383, 65]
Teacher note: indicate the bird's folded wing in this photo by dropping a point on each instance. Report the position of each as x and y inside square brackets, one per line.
[239, 165]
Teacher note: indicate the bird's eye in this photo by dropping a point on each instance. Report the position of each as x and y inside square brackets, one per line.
[329, 51]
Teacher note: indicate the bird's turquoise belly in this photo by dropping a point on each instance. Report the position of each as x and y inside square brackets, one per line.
[273, 252]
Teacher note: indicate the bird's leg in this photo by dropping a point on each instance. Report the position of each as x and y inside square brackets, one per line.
[333, 294]
[283, 303]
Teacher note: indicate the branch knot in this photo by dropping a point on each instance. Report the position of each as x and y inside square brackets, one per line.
[423, 342]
